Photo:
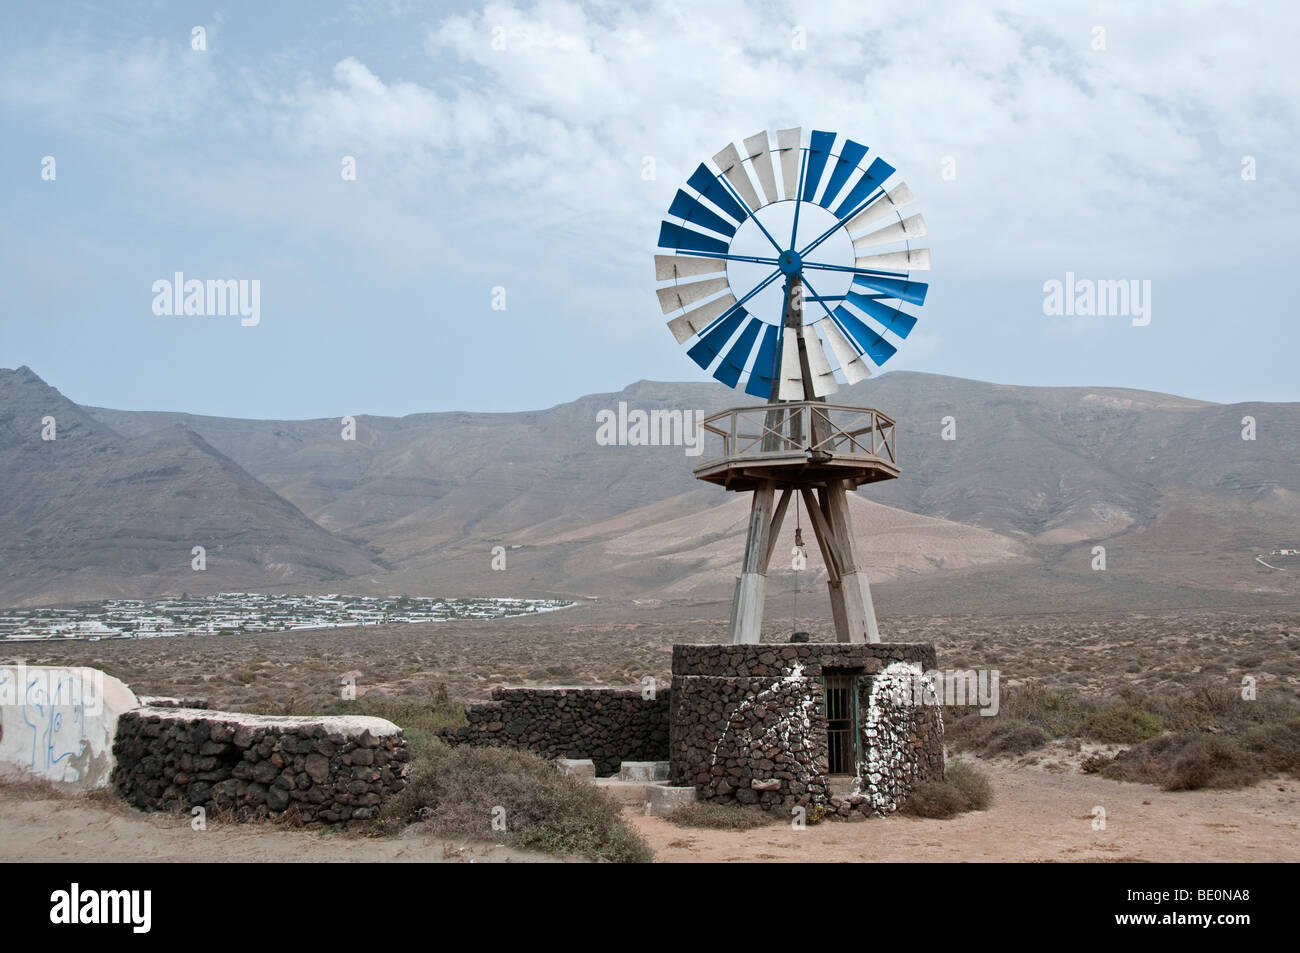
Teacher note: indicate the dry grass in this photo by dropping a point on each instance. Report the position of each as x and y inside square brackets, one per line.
[721, 817]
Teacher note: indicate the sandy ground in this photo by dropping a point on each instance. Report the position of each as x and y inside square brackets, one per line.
[37, 826]
[1037, 815]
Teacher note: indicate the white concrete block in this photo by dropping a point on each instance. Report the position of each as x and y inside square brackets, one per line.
[643, 771]
[59, 723]
[583, 768]
[661, 800]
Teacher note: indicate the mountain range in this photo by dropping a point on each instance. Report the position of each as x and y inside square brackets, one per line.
[1006, 513]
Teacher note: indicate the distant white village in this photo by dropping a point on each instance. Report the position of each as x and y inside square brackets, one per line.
[1276, 554]
[234, 613]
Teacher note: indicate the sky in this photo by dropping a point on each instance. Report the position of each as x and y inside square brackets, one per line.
[523, 154]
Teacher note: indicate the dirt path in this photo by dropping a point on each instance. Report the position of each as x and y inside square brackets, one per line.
[1036, 816]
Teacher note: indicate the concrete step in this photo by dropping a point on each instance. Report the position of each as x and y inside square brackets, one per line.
[643, 771]
[625, 792]
[662, 799]
[583, 768]
[656, 798]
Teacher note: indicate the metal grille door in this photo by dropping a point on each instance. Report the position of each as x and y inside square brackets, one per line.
[841, 723]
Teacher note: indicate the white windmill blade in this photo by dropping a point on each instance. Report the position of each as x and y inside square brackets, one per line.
[791, 387]
[823, 378]
[679, 296]
[850, 361]
[906, 230]
[728, 160]
[759, 149]
[914, 259]
[684, 266]
[787, 143]
[686, 326]
[896, 199]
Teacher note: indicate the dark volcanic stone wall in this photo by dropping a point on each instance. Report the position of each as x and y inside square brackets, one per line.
[749, 725]
[607, 725]
[329, 769]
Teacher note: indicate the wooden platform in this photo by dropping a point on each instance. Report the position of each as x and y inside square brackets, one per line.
[804, 444]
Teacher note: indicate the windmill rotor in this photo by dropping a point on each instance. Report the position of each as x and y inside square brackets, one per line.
[735, 232]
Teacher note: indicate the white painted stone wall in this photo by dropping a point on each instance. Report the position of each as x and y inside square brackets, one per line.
[58, 724]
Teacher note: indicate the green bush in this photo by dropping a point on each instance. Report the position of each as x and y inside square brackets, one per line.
[1123, 724]
[458, 792]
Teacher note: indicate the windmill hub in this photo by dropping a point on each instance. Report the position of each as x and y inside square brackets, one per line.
[790, 262]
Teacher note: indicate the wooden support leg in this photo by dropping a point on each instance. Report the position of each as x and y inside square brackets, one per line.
[830, 559]
[747, 611]
[855, 591]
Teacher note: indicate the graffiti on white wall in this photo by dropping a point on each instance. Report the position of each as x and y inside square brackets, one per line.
[55, 724]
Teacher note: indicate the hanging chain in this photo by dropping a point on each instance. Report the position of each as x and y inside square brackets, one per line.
[798, 563]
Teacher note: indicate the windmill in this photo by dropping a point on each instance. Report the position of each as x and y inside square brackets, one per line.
[833, 237]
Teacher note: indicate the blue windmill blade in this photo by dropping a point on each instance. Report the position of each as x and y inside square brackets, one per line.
[850, 156]
[871, 343]
[707, 184]
[819, 150]
[893, 318]
[737, 356]
[913, 292]
[764, 373]
[697, 213]
[711, 343]
[872, 179]
[675, 236]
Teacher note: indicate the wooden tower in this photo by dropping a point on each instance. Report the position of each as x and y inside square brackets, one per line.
[821, 451]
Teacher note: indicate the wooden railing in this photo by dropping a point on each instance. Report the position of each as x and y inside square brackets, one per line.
[809, 427]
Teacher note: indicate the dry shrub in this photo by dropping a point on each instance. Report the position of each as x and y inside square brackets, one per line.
[934, 799]
[995, 736]
[972, 783]
[964, 788]
[1186, 761]
[1028, 717]
[458, 791]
